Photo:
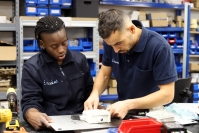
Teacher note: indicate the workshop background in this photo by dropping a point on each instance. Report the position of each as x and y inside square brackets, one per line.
[176, 21]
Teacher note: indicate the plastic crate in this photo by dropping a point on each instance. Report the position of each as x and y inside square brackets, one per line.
[196, 101]
[195, 87]
[196, 95]
[164, 34]
[86, 44]
[42, 2]
[31, 11]
[42, 11]
[29, 45]
[55, 2]
[75, 45]
[179, 67]
[147, 125]
[31, 2]
[55, 11]
[171, 40]
[92, 66]
[172, 35]
[66, 3]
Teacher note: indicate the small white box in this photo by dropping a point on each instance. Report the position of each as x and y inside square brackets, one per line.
[96, 116]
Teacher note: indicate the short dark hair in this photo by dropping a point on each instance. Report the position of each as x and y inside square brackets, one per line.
[48, 24]
[110, 21]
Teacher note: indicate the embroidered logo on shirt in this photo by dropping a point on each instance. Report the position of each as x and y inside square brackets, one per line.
[51, 82]
[113, 60]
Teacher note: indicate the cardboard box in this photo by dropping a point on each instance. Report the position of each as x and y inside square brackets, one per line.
[145, 23]
[142, 17]
[112, 83]
[194, 67]
[196, 4]
[8, 53]
[172, 24]
[159, 23]
[178, 18]
[112, 90]
[159, 16]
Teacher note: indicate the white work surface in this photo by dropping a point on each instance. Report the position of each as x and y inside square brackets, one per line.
[65, 123]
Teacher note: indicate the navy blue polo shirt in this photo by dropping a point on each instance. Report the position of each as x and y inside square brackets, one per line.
[139, 72]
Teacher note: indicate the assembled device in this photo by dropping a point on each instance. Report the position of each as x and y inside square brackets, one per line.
[96, 116]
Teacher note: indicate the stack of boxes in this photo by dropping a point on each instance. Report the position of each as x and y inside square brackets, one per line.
[112, 87]
[196, 3]
[45, 7]
[158, 19]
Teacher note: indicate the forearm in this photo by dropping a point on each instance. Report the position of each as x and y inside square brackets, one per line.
[158, 98]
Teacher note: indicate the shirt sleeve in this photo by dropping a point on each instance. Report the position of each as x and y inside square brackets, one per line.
[106, 56]
[31, 90]
[164, 67]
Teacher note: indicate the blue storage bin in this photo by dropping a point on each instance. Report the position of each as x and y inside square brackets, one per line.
[172, 34]
[31, 11]
[195, 87]
[66, 3]
[31, 2]
[55, 11]
[165, 34]
[92, 66]
[42, 11]
[29, 45]
[42, 2]
[87, 44]
[179, 67]
[75, 45]
[55, 2]
[196, 95]
[196, 101]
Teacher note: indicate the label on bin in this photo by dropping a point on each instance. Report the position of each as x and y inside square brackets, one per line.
[31, 9]
[55, 1]
[54, 11]
[31, 2]
[42, 13]
[67, 4]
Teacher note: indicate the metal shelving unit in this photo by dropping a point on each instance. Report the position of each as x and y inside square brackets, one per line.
[141, 4]
[11, 27]
[69, 22]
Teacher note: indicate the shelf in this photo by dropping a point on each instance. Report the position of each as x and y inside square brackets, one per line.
[68, 21]
[193, 55]
[108, 97]
[8, 63]
[141, 4]
[7, 27]
[89, 55]
[3, 96]
[194, 32]
[177, 51]
[195, 9]
[179, 29]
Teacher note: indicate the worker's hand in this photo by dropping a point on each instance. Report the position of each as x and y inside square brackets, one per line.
[37, 119]
[92, 102]
[118, 109]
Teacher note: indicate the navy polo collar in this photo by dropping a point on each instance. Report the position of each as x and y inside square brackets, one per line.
[48, 58]
[139, 47]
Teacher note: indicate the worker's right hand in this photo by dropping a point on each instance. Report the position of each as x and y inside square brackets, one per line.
[92, 102]
[37, 119]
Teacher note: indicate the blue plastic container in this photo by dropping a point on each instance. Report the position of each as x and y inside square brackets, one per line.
[29, 45]
[31, 11]
[195, 87]
[92, 66]
[55, 2]
[172, 35]
[196, 95]
[66, 3]
[75, 45]
[31, 2]
[87, 44]
[42, 11]
[55, 11]
[42, 2]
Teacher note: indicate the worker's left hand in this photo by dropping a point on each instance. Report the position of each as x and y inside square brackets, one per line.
[118, 109]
